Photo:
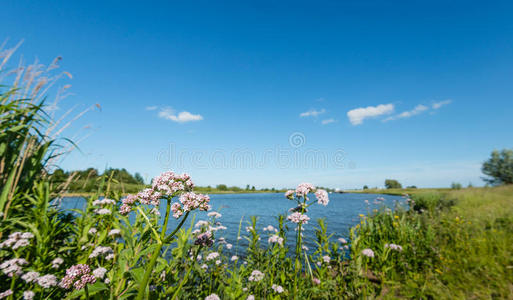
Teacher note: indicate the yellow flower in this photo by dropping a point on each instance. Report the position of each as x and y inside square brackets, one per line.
[396, 217]
[361, 216]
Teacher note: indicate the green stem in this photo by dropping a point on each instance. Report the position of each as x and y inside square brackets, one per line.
[154, 256]
[86, 292]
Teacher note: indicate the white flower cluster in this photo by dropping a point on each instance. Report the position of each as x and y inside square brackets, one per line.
[256, 276]
[17, 240]
[102, 251]
[104, 201]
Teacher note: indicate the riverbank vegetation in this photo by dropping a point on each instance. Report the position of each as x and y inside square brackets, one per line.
[446, 244]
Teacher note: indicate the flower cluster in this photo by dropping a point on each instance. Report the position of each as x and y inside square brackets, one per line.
[168, 184]
[104, 201]
[77, 276]
[270, 228]
[99, 272]
[5, 294]
[322, 197]
[204, 239]
[114, 232]
[298, 218]
[47, 281]
[102, 211]
[394, 247]
[56, 263]
[212, 256]
[30, 276]
[368, 252]
[102, 251]
[13, 266]
[303, 189]
[212, 297]
[277, 288]
[275, 239]
[17, 240]
[256, 276]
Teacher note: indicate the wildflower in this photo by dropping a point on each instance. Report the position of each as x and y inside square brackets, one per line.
[101, 250]
[204, 239]
[289, 194]
[275, 239]
[30, 276]
[13, 266]
[56, 263]
[304, 248]
[298, 218]
[102, 211]
[212, 256]
[303, 189]
[342, 240]
[396, 217]
[394, 247]
[218, 262]
[212, 297]
[17, 240]
[92, 231]
[201, 223]
[277, 288]
[47, 281]
[100, 272]
[234, 258]
[110, 256]
[28, 295]
[114, 232]
[250, 297]
[326, 259]
[229, 246]
[214, 214]
[368, 252]
[192, 201]
[322, 197]
[204, 267]
[104, 201]
[270, 228]
[256, 276]
[177, 210]
[316, 281]
[77, 276]
[5, 294]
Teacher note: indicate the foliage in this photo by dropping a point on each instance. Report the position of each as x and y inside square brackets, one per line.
[392, 184]
[499, 167]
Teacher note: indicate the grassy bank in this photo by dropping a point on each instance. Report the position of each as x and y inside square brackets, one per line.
[457, 245]
[398, 192]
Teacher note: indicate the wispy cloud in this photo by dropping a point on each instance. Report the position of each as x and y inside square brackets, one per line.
[328, 121]
[151, 107]
[437, 105]
[312, 113]
[182, 117]
[357, 115]
[407, 114]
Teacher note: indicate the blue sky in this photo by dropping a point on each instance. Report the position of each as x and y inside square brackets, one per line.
[338, 93]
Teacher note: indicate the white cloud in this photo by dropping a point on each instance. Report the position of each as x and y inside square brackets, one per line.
[182, 117]
[312, 113]
[151, 107]
[437, 105]
[328, 121]
[356, 116]
[407, 114]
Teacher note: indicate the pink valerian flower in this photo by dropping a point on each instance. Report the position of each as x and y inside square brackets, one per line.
[214, 214]
[368, 252]
[322, 197]
[100, 272]
[275, 239]
[17, 240]
[77, 276]
[303, 189]
[30, 276]
[289, 194]
[177, 210]
[394, 247]
[212, 297]
[101, 251]
[5, 294]
[316, 281]
[298, 218]
[114, 232]
[13, 266]
[169, 183]
[212, 256]
[342, 240]
[270, 228]
[104, 201]
[56, 263]
[250, 297]
[326, 259]
[28, 295]
[256, 276]
[47, 281]
[192, 201]
[277, 288]
[234, 258]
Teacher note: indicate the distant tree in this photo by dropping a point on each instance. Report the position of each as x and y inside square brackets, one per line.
[456, 186]
[365, 187]
[392, 184]
[411, 187]
[222, 187]
[247, 187]
[499, 167]
[139, 178]
[253, 188]
[470, 185]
